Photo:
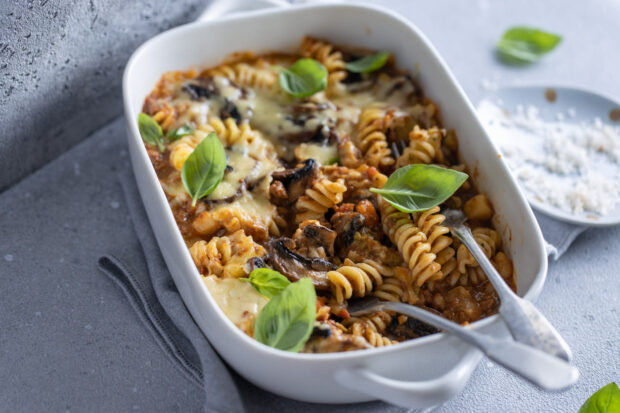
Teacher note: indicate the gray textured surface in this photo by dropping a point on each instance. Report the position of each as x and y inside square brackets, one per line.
[69, 340]
[50, 291]
[60, 70]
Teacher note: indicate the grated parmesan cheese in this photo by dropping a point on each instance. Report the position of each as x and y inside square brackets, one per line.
[572, 166]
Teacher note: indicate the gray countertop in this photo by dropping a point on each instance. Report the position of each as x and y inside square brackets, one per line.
[56, 222]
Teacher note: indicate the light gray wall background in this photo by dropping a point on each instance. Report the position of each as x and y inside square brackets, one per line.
[60, 66]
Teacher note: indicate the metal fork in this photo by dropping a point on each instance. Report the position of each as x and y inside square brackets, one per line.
[526, 324]
[540, 368]
[398, 147]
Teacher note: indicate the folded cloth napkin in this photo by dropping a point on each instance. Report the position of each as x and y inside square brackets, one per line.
[160, 307]
[558, 235]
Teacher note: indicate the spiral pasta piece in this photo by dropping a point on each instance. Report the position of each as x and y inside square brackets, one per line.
[355, 279]
[230, 133]
[429, 222]
[371, 140]
[225, 256]
[398, 288]
[488, 239]
[181, 150]
[392, 289]
[411, 242]
[373, 338]
[226, 130]
[424, 147]
[371, 328]
[257, 74]
[330, 58]
[166, 117]
[323, 195]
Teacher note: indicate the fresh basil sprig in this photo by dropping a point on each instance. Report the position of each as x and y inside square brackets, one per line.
[150, 131]
[520, 45]
[287, 320]
[304, 78]
[368, 63]
[605, 400]
[419, 187]
[204, 168]
[179, 132]
[267, 282]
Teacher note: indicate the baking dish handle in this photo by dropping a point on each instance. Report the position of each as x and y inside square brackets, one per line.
[218, 8]
[410, 394]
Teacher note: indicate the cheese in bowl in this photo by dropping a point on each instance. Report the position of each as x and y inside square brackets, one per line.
[300, 181]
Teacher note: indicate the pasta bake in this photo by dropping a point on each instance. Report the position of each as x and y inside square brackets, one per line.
[299, 193]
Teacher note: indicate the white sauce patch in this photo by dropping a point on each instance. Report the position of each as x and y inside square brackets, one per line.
[237, 299]
[572, 166]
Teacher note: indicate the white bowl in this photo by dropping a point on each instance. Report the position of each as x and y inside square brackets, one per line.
[416, 373]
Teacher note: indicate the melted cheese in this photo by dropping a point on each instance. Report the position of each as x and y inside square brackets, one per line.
[238, 299]
[323, 154]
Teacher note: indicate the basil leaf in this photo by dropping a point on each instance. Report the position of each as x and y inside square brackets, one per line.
[150, 131]
[267, 282]
[368, 63]
[304, 78]
[179, 132]
[419, 187]
[287, 320]
[204, 168]
[521, 45]
[605, 400]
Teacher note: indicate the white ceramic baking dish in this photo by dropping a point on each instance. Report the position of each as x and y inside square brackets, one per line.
[417, 373]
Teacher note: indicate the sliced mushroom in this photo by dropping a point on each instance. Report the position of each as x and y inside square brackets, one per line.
[411, 328]
[346, 224]
[314, 240]
[327, 337]
[295, 181]
[201, 88]
[229, 110]
[320, 134]
[254, 263]
[277, 194]
[295, 266]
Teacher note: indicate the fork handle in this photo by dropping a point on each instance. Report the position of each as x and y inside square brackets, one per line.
[540, 368]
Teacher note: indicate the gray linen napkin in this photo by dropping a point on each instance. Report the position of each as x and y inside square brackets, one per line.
[160, 307]
[558, 235]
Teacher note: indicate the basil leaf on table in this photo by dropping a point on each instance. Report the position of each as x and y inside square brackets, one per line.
[521, 45]
[267, 282]
[368, 63]
[150, 131]
[304, 78]
[287, 320]
[605, 400]
[179, 132]
[419, 187]
[204, 168]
